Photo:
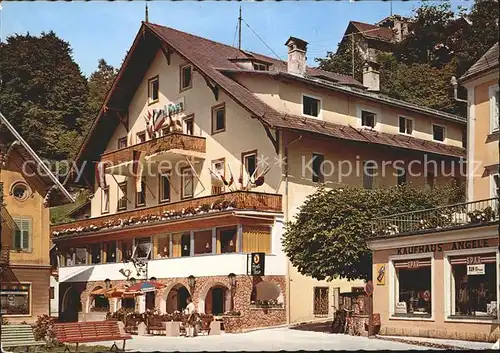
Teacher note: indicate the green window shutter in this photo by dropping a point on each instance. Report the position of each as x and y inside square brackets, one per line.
[22, 234]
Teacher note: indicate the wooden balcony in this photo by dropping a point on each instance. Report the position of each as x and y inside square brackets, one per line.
[237, 200]
[172, 141]
[4, 255]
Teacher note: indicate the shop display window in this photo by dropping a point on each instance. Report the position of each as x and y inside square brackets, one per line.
[413, 288]
[473, 285]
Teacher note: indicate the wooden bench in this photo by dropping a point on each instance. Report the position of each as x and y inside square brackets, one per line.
[93, 331]
[19, 336]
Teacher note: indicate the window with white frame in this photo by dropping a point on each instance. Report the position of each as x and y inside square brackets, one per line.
[405, 125]
[164, 182]
[260, 67]
[494, 108]
[249, 163]
[186, 77]
[368, 119]
[413, 288]
[188, 125]
[473, 284]
[438, 132]
[122, 201]
[22, 234]
[311, 106]
[495, 185]
[154, 89]
[218, 168]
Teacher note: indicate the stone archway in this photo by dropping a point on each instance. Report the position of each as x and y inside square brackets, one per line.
[70, 305]
[174, 298]
[214, 298]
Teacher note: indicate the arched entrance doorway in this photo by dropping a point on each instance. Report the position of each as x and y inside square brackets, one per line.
[217, 300]
[176, 299]
[71, 305]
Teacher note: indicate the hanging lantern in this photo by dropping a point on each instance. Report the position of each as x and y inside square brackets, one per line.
[191, 281]
[231, 243]
[232, 279]
[185, 247]
[207, 245]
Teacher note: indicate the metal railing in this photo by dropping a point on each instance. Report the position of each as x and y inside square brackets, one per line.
[444, 217]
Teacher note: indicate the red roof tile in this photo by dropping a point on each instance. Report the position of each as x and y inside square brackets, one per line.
[373, 31]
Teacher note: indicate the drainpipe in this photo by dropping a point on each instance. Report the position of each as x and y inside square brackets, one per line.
[454, 83]
[286, 220]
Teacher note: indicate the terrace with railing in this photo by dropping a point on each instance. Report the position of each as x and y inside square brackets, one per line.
[237, 200]
[171, 141]
[459, 215]
[4, 255]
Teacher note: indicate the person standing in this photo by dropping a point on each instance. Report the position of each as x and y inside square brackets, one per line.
[191, 319]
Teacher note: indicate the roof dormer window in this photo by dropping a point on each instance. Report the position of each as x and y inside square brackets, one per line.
[260, 67]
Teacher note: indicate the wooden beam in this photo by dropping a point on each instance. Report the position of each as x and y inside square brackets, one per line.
[213, 86]
[166, 52]
[123, 119]
[274, 140]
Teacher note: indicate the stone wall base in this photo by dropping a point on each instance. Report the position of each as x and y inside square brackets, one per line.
[490, 335]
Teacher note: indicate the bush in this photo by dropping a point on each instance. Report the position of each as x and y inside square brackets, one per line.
[43, 330]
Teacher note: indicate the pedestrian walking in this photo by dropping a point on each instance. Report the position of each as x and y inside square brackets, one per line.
[191, 319]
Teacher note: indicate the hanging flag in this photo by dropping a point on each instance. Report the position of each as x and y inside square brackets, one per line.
[231, 177]
[138, 168]
[100, 177]
[159, 121]
[149, 124]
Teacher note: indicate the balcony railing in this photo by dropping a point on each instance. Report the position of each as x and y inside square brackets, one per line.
[164, 143]
[445, 217]
[241, 200]
[4, 255]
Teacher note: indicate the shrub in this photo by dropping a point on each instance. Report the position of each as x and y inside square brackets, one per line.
[43, 330]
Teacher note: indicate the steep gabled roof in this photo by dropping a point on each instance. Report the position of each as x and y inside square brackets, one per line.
[487, 62]
[55, 193]
[370, 31]
[211, 59]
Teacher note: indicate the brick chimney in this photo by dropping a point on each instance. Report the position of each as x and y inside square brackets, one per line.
[371, 76]
[297, 49]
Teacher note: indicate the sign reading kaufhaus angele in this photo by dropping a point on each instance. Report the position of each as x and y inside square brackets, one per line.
[456, 245]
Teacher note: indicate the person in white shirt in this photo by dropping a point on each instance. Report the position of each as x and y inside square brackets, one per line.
[191, 320]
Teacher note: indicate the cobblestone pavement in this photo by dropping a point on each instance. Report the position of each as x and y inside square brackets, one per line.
[263, 340]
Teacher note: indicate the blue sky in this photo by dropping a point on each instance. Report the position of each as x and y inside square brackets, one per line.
[101, 29]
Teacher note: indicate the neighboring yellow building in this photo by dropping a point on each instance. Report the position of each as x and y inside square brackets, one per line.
[437, 271]
[29, 189]
[233, 113]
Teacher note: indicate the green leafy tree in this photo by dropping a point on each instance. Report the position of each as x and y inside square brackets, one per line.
[327, 238]
[43, 92]
[99, 84]
[341, 61]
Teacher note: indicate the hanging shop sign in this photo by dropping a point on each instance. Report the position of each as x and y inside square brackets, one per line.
[420, 249]
[257, 263]
[475, 269]
[381, 274]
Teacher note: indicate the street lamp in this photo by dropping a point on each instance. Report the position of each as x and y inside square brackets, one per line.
[191, 282]
[232, 284]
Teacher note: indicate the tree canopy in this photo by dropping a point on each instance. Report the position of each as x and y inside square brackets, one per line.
[442, 43]
[44, 94]
[327, 238]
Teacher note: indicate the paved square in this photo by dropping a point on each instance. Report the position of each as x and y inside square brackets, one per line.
[264, 340]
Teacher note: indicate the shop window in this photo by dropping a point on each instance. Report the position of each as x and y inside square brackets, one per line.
[150, 300]
[101, 304]
[311, 106]
[15, 299]
[110, 251]
[227, 240]
[317, 175]
[22, 234]
[162, 246]
[203, 242]
[266, 294]
[95, 253]
[320, 305]
[81, 256]
[218, 119]
[186, 244]
[413, 297]
[474, 286]
[126, 247]
[142, 248]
